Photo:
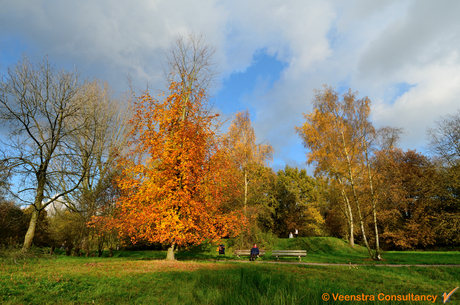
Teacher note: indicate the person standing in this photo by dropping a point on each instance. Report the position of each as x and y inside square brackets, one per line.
[296, 233]
[254, 252]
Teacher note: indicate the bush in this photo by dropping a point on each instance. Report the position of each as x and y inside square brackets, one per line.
[14, 254]
[264, 240]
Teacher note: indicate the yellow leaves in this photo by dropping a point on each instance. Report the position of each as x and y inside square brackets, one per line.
[334, 132]
[243, 142]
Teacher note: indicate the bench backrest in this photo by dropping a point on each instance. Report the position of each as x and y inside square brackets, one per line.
[290, 252]
[248, 252]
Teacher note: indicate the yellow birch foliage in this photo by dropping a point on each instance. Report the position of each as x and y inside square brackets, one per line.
[243, 142]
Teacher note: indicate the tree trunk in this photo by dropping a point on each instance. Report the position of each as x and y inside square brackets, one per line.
[245, 192]
[31, 231]
[363, 231]
[355, 197]
[68, 250]
[377, 244]
[76, 251]
[350, 219]
[170, 255]
[348, 214]
[361, 220]
[35, 213]
[374, 210]
[352, 228]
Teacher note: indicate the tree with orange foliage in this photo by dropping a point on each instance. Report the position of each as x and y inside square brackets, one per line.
[410, 197]
[175, 183]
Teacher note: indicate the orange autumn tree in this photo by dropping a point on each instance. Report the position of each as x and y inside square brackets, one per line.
[176, 180]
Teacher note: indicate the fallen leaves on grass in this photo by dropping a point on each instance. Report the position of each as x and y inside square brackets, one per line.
[120, 269]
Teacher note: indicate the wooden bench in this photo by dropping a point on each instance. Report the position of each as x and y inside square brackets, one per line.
[239, 253]
[298, 253]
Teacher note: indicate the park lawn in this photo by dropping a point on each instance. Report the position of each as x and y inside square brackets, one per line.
[80, 280]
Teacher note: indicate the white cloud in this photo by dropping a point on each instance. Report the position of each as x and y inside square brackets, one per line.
[371, 46]
[419, 48]
[115, 36]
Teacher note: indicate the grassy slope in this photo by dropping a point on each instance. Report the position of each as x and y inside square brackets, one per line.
[329, 250]
[334, 250]
[324, 250]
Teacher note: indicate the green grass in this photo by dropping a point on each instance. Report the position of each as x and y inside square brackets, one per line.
[200, 276]
[79, 280]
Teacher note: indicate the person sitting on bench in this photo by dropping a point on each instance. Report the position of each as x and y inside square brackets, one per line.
[221, 249]
[254, 252]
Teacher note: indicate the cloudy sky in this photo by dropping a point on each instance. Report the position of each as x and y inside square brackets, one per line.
[403, 55]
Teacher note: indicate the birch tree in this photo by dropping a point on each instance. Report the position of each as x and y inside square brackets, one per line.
[245, 151]
[338, 134]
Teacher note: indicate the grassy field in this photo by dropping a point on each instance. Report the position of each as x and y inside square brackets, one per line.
[143, 278]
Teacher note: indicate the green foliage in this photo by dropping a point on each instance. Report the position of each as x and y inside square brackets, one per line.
[265, 240]
[13, 223]
[297, 204]
[69, 223]
[68, 228]
[261, 199]
[14, 255]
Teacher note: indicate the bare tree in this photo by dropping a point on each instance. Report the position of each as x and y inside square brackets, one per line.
[4, 182]
[444, 139]
[387, 137]
[43, 110]
[109, 119]
[189, 62]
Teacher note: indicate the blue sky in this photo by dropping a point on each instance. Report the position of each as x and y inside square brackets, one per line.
[402, 54]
